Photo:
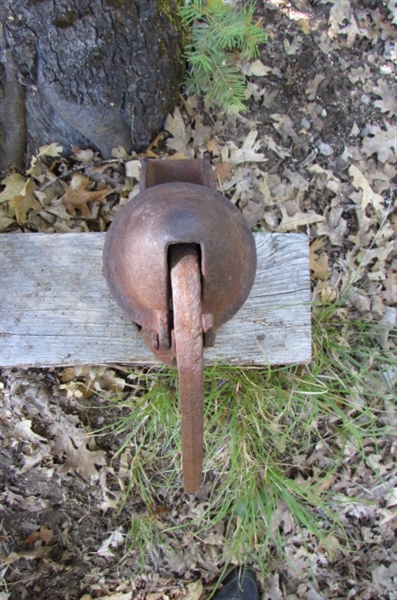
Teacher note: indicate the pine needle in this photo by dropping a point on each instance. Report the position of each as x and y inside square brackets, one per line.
[218, 32]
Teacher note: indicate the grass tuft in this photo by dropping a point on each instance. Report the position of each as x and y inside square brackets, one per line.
[276, 441]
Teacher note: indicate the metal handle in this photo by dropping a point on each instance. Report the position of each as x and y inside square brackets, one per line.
[188, 340]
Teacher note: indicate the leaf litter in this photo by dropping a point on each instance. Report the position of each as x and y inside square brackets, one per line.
[316, 154]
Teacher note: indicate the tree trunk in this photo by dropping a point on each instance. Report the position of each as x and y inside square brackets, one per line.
[88, 73]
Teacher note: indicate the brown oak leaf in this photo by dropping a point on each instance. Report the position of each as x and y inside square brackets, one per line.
[44, 536]
[77, 196]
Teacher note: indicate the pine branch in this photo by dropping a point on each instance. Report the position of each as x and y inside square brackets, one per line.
[217, 31]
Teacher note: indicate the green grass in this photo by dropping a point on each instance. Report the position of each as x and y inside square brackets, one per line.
[275, 441]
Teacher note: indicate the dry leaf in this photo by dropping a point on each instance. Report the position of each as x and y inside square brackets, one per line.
[297, 220]
[223, 171]
[119, 152]
[181, 135]
[328, 294]
[85, 156]
[115, 539]
[297, 180]
[319, 267]
[304, 24]
[368, 195]
[258, 69]
[119, 596]
[51, 150]
[39, 552]
[248, 152]
[381, 142]
[14, 184]
[341, 13]
[311, 89]
[284, 126]
[45, 536]
[274, 147]
[392, 5]
[5, 222]
[335, 227]
[78, 197]
[388, 104]
[23, 431]
[318, 263]
[133, 169]
[25, 202]
[390, 294]
[72, 441]
[194, 590]
[213, 147]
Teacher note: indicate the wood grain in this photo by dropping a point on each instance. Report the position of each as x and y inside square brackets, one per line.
[55, 308]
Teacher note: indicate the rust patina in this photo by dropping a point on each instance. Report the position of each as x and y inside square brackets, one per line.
[180, 260]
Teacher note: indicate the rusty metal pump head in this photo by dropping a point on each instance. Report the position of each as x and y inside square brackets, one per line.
[167, 225]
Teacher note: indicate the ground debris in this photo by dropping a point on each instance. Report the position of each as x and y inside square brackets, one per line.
[316, 154]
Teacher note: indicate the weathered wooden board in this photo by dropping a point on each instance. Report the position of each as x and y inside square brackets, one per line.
[55, 308]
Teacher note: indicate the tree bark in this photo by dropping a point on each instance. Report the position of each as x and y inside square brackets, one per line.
[88, 73]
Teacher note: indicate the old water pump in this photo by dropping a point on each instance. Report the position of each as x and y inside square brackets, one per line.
[180, 261]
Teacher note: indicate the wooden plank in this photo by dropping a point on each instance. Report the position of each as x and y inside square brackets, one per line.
[55, 308]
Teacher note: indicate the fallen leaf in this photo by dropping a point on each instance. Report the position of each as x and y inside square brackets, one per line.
[390, 284]
[359, 300]
[223, 171]
[298, 220]
[328, 294]
[44, 535]
[14, 184]
[39, 552]
[84, 156]
[181, 135]
[311, 89]
[334, 226]
[318, 263]
[362, 73]
[388, 103]
[284, 126]
[213, 147]
[115, 539]
[25, 202]
[368, 195]
[392, 6]
[119, 152]
[258, 69]
[304, 24]
[133, 169]
[194, 590]
[297, 180]
[23, 431]
[381, 142]
[274, 147]
[5, 222]
[72, 441]
[341, 13]
[51, 150]
[249, 150]
[77, 196]
[120, 596]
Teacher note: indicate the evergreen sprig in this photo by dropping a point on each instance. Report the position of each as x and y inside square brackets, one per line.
[218, 32]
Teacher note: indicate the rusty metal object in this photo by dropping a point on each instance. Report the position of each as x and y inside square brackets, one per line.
[180, 261]
[188, 344]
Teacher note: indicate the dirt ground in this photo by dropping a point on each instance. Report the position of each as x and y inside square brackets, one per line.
[316, 152]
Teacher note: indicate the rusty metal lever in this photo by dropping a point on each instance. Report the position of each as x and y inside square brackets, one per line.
[188, 341]
[180, 261]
